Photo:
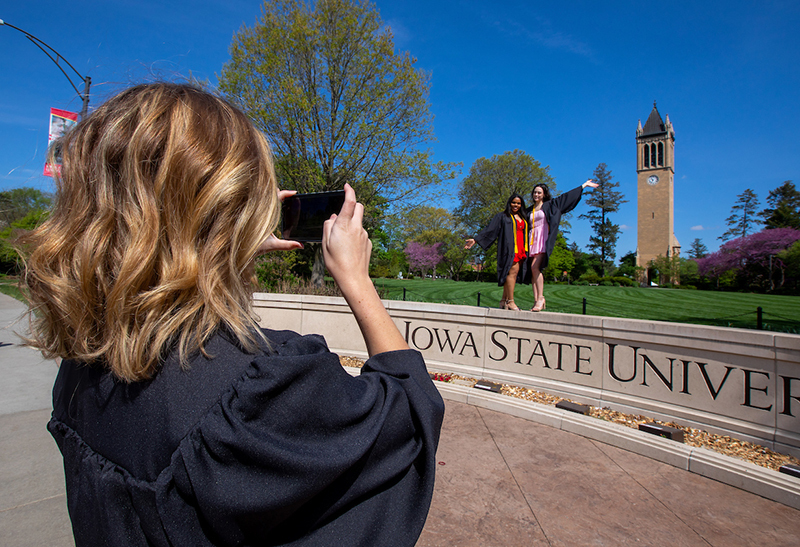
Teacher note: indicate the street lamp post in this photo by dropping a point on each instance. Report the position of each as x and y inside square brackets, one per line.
[49, 51]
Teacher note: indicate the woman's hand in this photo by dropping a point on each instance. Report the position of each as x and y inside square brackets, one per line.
[590, 183]
[346, 245]
[469, 243]
[272, 243]
[347, 248]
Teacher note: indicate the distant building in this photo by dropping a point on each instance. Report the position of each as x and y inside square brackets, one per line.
[655, 166]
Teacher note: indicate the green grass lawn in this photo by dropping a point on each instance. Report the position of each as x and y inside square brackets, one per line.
[10, 286]
[726, 309]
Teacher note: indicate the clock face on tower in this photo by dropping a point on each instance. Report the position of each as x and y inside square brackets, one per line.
[652, 180]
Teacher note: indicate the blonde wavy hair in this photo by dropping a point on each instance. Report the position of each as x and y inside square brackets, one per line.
[165, 194]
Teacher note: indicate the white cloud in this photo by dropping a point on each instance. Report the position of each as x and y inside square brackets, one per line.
[546, 35]
[698, 228]
[401, 36]
[624, 227]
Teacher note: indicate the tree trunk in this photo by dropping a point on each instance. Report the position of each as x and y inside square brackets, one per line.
[318, 270]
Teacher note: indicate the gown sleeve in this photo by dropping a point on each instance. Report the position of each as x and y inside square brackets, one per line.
[300, 452]
[567, 201]
[488, 235]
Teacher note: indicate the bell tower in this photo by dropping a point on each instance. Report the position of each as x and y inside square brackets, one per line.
[655, 167]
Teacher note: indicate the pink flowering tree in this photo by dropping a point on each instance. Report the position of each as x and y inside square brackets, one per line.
[422, 258]
[756, 259]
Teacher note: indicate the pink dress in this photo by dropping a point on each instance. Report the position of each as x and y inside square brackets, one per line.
[539, 232]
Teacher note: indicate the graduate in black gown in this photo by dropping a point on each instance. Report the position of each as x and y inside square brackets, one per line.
[510, 229]
[180, 421]
[544, 217]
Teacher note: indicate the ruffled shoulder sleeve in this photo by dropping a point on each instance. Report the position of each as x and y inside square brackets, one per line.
[299, 451]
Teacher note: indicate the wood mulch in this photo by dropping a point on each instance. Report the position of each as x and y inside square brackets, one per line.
[723, 444]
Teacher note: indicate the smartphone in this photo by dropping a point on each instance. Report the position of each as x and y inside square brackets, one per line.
[304, 214]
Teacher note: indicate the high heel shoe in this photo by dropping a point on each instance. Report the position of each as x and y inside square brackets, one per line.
[511, 306]
[503, 304]
[540, 304]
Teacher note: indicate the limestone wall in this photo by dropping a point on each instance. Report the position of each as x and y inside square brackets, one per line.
[738, 382]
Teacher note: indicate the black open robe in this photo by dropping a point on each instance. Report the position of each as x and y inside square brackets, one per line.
[502, 229]
[282, 447]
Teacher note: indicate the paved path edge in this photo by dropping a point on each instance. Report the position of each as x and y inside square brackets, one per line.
[747, 476]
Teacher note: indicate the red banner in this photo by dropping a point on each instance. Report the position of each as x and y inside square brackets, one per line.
[61, 121]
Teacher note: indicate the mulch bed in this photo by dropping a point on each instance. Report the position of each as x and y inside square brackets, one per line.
[723, 444]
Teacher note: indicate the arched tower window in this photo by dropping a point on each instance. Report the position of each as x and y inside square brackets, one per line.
[647, 155]
[661, 154]
[653, 154]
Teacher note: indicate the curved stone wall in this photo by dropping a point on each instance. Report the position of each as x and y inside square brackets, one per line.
[735, 382]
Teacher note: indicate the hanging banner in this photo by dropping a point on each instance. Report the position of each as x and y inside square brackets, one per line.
[61, 121]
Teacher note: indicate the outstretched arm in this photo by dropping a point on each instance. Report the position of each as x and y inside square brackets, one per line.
[347, 250]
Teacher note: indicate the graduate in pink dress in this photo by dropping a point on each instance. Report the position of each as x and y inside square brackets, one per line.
[544, 217]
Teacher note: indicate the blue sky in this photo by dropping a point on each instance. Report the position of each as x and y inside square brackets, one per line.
[564, 81]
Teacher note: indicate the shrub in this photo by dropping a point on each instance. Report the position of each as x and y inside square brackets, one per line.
[305, 286]
[10, 260]
[623, 281]
[472, 275]
[274, 270]
[380, 270]
[590, 278]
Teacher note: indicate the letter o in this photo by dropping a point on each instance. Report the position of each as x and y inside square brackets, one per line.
[414, 338]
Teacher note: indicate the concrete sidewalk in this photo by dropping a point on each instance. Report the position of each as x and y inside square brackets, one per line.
[33, 506]
[502, 480]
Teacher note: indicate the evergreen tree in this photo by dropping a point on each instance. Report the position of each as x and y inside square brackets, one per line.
[698, 249]
[784, 210]
[743, 216]
[627, 266]
[604, 200]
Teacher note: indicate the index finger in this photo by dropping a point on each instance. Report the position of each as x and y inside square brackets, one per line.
[349, 205]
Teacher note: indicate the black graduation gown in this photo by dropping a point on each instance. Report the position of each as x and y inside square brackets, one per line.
[277, 448]
[553, 210]
[501, 228]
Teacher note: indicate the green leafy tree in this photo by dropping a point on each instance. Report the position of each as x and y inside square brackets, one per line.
[784, 209]
[628, 267]
[743, 216]
[603, 201]
[561, 260]
[10, 260]
[484, 193]
[689, 274]
[582, 261]
[791, 257]
[412, 221]
[339, 105]
[698, 249]
[19, 202]
[668, 269]
[430, 226]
